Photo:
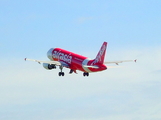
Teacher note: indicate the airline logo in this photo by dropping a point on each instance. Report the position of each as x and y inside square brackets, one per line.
[100, 56]
[61, 56]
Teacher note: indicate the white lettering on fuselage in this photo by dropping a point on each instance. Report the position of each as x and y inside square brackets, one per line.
[61, 56]
[99, 56]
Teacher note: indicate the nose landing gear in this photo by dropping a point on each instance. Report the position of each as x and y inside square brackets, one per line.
[61, 73]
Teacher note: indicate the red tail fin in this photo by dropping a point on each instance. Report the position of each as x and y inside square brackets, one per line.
[101, 54]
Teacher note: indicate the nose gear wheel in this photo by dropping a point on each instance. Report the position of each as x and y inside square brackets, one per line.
[61, 73]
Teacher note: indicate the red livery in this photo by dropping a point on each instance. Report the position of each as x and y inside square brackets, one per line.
[63, 58]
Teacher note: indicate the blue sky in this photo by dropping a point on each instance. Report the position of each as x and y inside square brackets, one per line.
[30, 28]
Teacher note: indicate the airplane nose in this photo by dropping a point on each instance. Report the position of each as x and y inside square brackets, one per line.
[49, 53]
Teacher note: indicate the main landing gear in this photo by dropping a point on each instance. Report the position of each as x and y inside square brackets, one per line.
[71, 71]
[85, 74]
[61, 73]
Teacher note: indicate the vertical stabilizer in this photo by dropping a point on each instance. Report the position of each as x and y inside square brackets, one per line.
[101, 54]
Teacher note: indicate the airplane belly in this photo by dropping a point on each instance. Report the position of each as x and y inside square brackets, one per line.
[84, 63]
[77, 63]
[100, 67]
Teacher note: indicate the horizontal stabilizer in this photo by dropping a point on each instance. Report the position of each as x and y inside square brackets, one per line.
[117, 62]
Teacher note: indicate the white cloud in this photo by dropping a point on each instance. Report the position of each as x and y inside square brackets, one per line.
[130, 92]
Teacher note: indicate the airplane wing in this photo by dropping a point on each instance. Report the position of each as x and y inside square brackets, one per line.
[117, 62]
[48, 62]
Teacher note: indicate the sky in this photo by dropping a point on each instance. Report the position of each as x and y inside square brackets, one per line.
[30, 28]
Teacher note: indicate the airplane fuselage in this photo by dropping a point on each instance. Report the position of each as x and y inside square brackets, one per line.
[74, 61]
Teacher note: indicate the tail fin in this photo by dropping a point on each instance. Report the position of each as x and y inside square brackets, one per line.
[101, 54]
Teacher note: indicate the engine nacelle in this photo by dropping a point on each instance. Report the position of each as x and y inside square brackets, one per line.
[48, 66]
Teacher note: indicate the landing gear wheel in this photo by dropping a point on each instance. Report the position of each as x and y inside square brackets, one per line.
[61, 74]
[85, 74]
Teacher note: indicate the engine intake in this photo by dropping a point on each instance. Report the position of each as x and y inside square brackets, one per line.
[48, 66]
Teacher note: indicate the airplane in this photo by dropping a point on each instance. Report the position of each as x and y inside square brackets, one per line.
[63, 58]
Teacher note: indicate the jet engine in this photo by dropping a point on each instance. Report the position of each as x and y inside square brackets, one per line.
[48, 66]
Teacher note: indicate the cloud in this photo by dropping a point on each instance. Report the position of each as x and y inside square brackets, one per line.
[28, 91]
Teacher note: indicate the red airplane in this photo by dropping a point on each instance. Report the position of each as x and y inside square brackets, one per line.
[63, 58]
